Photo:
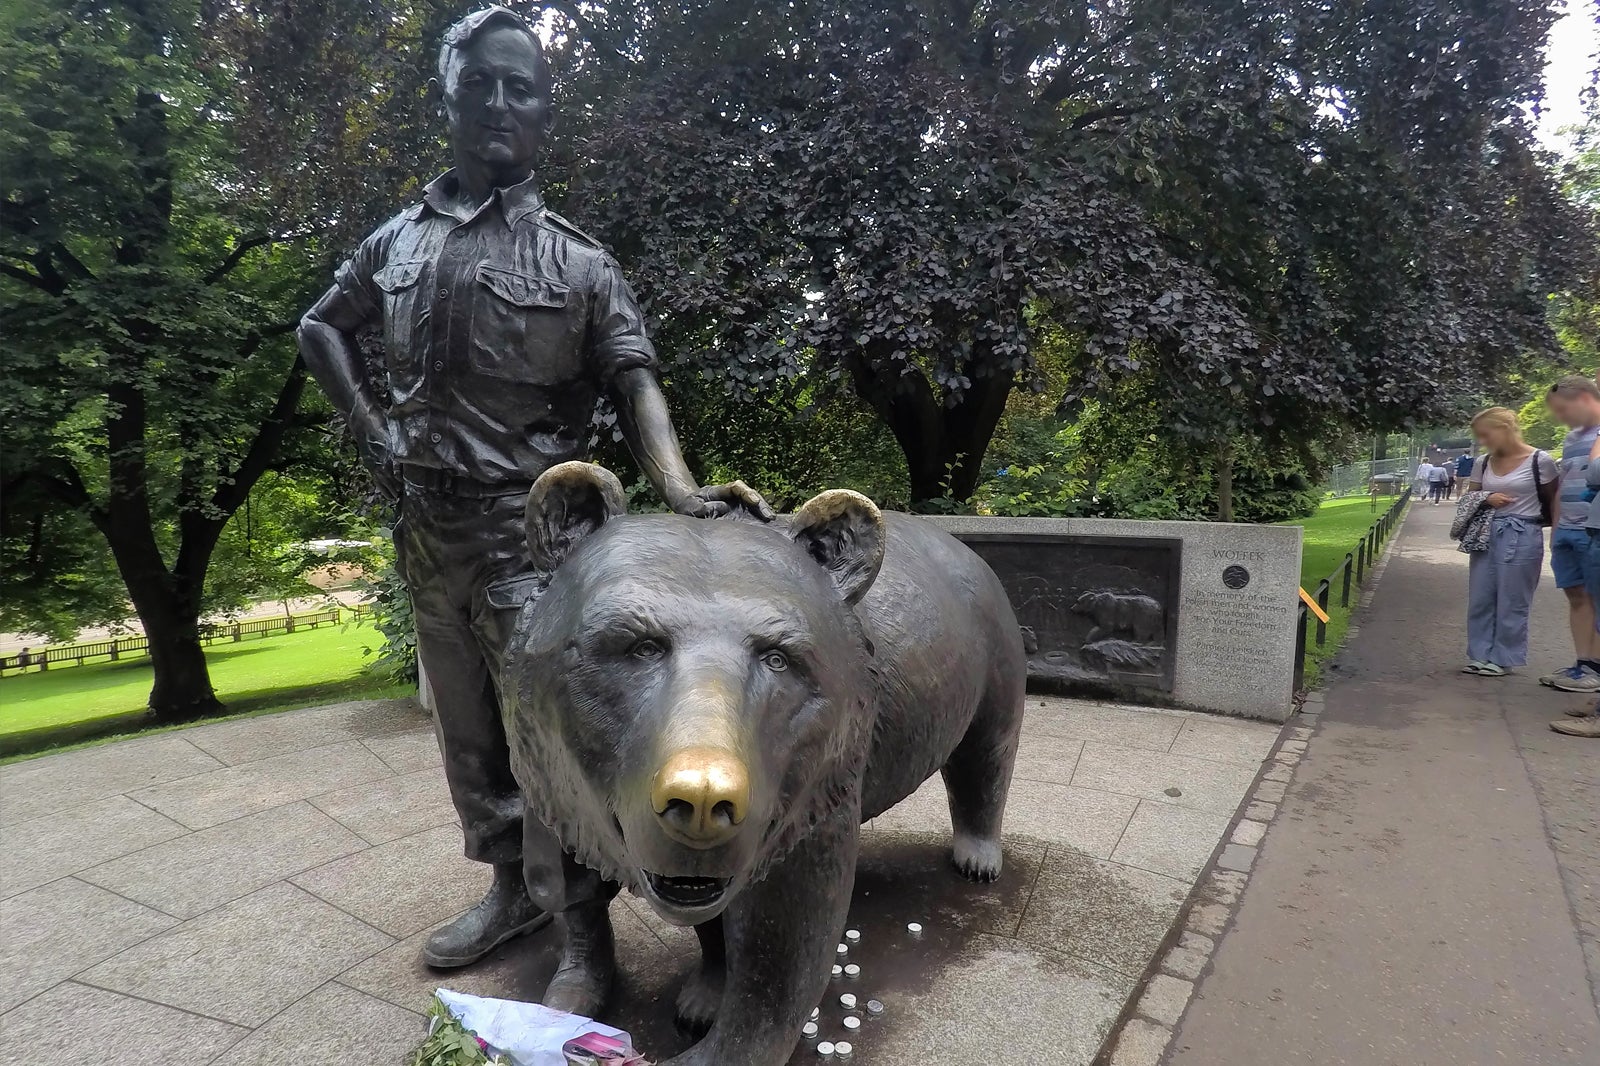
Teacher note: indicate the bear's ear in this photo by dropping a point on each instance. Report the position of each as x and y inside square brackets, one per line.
[566, 504]
[844, 531]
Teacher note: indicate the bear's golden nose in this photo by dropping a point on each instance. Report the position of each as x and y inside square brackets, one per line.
[701, 796]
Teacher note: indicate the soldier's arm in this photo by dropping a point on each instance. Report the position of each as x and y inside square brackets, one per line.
[625, 361]
[327, 337]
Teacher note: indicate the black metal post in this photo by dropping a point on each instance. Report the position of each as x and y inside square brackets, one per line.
[1344, 594]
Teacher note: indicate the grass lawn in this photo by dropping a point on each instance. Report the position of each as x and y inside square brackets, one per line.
[255, 676]
[1335, 529]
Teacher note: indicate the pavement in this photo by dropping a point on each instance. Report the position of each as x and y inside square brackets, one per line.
[256, 892]
[1429, 890]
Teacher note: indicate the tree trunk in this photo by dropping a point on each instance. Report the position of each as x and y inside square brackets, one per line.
[1380, 447]
[182, 691]
[944, 446]
[1225, 481]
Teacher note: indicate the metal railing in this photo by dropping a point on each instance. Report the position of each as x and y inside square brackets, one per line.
[116, 648]
[1357, 564]
[1351, 478]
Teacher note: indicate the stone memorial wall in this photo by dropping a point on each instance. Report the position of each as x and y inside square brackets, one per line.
[1191, 614]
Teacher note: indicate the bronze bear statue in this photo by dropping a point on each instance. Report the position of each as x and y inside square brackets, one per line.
[705, 711]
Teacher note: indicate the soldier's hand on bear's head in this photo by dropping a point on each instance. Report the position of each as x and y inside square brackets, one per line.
[717, 501]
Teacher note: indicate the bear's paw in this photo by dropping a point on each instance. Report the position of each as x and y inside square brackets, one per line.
[978, 859]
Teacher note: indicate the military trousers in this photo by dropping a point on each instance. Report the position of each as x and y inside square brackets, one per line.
[461, 559]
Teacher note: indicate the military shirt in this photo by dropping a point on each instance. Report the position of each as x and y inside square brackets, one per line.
[501, 326]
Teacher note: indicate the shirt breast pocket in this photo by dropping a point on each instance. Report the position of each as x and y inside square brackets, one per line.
[525, 328]
[399, 284]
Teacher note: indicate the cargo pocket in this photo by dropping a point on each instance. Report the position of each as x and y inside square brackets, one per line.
[524, 328]
[399, 284]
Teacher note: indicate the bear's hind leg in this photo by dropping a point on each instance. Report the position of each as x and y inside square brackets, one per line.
[701, 997]
[977, 778]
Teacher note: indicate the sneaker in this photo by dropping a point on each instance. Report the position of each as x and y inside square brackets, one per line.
[1582, 727]
[1583, 679]
[1474, 666]
[1490, 670]
[1572, 672]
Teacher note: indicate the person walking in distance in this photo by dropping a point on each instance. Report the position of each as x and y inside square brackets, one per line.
[1523, 484]
[1575, 402]
[1422, 483]
[503, 324]
[1438, 481]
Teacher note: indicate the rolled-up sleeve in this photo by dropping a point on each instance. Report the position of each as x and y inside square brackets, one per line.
[354, 300]
[617, 325]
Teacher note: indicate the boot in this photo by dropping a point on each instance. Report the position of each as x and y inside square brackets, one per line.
[588, 961]
[504, 913]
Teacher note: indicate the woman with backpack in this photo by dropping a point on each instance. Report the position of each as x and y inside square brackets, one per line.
[1521, 485]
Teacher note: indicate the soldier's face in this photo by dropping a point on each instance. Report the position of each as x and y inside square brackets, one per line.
[491, 99]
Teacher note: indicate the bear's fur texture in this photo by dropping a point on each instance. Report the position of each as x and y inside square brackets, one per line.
[839, 658]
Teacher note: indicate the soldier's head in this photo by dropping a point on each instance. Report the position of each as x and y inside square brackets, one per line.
[495, 85]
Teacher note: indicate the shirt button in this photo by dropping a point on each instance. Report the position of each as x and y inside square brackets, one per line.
[438, 364]
[444, 294]
[436, 437]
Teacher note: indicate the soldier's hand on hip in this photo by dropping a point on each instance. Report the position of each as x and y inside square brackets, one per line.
[715, 501]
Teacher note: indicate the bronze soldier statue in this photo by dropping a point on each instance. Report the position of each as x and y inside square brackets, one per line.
[503, 323]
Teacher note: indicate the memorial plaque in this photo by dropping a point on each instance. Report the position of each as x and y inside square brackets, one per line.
[1226, 595]
[1096, 612]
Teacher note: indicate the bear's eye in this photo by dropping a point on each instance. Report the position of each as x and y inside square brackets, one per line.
[647, 649]
[775, 661]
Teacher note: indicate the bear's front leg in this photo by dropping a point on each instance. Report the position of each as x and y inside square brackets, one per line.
[780, 937]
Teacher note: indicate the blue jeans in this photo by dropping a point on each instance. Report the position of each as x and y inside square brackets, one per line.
[1500, 592]
[1591, 573]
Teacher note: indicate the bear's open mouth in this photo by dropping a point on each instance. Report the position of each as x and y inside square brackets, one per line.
[688, 891]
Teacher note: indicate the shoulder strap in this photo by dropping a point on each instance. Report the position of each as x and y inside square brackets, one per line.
[562, 225]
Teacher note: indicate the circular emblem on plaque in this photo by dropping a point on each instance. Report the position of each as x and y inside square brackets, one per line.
[1235, 576]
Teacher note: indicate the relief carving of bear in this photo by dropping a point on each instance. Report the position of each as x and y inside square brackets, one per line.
[705, 711]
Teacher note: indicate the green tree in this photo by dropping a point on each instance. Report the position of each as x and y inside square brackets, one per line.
[150, 283]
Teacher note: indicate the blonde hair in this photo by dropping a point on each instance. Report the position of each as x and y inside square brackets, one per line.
[1500, 418]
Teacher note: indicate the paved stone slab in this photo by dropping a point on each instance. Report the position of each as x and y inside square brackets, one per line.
[519, 969]
[235, 791]
[53, 932]
[1165, 998]
[404, 885]
[1108, 914]
[336, 1026]
[1113, 723]
[1163, 778]
[1046, 1008]
[395, 807]
[55, 783]
[1082, 818]
[74, 1023]
[1226, 739]
[244, 962]
[43, 849]
[1041, 757]
[1170, 840]
[1140, 1043]
[199, 871]
[408, 752]
[253, 739]
[914, 870]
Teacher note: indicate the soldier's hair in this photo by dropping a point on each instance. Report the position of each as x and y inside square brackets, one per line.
[464, 32]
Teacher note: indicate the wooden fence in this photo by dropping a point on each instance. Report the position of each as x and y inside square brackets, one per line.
[116, 648]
